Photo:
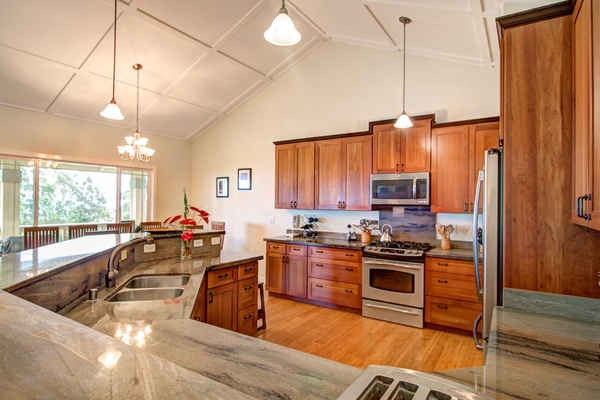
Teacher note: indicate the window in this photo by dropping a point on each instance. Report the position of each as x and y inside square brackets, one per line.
[38, 192]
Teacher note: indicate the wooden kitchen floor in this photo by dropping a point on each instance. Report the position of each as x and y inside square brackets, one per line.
[351, 339]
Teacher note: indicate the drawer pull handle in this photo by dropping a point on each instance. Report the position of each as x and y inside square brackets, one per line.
[442, 307]
[210, 297]
[275, 247]
[223, 276]
[247, 317]
[318, 251]
[442, 281]
[297, 249]
[442, 264]
[349, 291]
[249, 287]
[319, 265]
[349, 255]
[320, 286]
[249, 269]
[349, 269]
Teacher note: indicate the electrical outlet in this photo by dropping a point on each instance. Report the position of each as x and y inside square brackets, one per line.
[150, 248]
[215, 240]
[123, 254]
[198, 243]
[271, 220]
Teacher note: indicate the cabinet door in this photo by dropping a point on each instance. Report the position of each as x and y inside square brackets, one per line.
[305, 177]
[357, 155]
[329, 174]
[450, 169]
[416, 147]
[296, 276]
[221, 306]
[285, 175]
[247, 319]
[481, 137]
[386, 149]
[275, 272]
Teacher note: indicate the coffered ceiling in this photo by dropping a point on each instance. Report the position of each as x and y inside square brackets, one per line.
[203, 58]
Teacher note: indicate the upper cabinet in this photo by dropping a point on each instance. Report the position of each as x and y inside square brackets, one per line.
[457, 154]
[586, 152]
[343, 173]
[295, 175]
[401, 150]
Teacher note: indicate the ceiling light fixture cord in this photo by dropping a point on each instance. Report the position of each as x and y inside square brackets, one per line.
[112, 110]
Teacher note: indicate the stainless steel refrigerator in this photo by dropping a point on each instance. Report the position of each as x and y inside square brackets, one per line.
[489, 236]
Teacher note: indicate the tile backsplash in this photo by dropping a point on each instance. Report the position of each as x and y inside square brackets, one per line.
[416, 224]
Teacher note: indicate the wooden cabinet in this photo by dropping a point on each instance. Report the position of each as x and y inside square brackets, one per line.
[586, 151]
[286, 269]
[228, 298]
[294, 175]
[401, 150]
[343, 173]
[450, 293]
[335, 276]
[457, 157]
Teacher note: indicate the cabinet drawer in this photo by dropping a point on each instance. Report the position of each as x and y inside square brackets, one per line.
[275, 247]
[295, 250]
[246, 323]
[222, 277]
[454, 313]
[247, 270]
[342, 271]
[450, 266]
[336, 254]
[452, 286]
[247, 292]
[343, 294]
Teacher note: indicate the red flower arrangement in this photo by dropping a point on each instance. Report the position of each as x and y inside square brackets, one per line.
[187, 225]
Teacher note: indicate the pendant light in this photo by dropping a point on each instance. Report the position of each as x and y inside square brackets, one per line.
[112, 110]
[136, 149]
[403, 120]
[282, 31]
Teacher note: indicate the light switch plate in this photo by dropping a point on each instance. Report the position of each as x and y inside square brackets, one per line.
[150, 248]
[123, 254]
[198, 242]
[215, 240]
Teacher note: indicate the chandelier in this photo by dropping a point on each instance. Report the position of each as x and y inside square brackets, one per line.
[136, 149]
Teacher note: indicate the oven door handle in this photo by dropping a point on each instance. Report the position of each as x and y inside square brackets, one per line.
[392, 309]
[375, 262]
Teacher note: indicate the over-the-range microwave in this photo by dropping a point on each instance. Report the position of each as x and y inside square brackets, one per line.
[402, 189]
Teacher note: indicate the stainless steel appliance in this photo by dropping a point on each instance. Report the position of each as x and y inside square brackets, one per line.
[393, 282]
[400, 189]
[490, 237]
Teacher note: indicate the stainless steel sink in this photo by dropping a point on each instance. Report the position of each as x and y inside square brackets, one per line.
[157, 281]
[146, 294]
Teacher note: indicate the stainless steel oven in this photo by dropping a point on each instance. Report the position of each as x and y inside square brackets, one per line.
[393, 283]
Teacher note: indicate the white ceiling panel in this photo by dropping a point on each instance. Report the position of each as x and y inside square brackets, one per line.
[30, 82]
[203, 58]
[65, 31]
[174, 118]
[214, 83]
[205, 20]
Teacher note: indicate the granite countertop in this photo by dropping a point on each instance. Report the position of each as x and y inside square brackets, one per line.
[455, 254]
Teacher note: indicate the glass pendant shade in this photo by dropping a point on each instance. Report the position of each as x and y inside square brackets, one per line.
[282, 31]
[403, 121]
[112, 111]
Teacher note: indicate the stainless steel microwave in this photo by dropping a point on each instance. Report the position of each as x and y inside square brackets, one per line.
[401, 189]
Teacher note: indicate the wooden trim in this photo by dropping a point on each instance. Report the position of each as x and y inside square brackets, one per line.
[393, 120]
[315, 302]
[312, 139]
[536, 15]
[468, 122]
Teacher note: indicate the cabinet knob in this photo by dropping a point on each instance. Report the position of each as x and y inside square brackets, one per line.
[197, 318]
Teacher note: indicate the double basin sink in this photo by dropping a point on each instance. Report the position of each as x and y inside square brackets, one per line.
[150, 287]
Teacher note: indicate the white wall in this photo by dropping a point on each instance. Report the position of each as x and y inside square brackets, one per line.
[338, 88]
[37, 134]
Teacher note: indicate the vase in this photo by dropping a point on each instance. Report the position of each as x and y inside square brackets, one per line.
[446, 244]
[186, 250]
[365, 237]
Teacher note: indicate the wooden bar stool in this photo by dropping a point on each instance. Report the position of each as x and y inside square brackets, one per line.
[261, 311]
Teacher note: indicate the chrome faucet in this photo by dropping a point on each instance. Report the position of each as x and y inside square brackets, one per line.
[113, 273]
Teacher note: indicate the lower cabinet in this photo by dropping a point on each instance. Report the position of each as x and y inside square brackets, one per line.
[286, 269]
[228, 298]
[450, 293]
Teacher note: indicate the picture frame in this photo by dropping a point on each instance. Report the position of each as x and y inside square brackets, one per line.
[244, 179]
[222, 186]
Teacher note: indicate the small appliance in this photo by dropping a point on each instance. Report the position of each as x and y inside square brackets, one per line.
[400, 189]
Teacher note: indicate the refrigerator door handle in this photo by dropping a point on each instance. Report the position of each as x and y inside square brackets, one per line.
[475, 243]
[475, 325]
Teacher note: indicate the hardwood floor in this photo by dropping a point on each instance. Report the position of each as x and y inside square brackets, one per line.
[354, 340]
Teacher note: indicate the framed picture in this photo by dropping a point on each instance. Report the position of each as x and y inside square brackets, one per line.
[245, 179]
[223, 186]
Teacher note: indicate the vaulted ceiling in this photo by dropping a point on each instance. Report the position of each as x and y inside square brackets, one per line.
[203, 58]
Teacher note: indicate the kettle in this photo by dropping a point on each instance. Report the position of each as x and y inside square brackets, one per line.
[386, 234]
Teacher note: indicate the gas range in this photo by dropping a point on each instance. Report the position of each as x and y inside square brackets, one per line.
[397, 250]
